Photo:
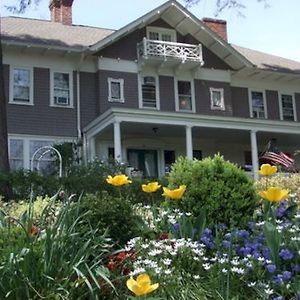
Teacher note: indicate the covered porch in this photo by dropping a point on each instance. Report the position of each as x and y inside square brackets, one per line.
[150, 141]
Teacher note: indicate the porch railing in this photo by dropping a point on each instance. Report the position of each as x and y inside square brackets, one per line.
[160, 49]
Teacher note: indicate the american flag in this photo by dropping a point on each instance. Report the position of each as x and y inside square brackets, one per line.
[278, 158]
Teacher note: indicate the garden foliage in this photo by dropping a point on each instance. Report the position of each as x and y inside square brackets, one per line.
[217, 186]
[112, 213]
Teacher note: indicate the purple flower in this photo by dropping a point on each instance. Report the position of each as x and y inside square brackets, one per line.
[286, 275]
[296, 268]
[285, 254]
[278, 298]
[271, 268]
[175, 227]
[226, 244]
[277, 279]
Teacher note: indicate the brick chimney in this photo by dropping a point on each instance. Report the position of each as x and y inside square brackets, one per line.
[61, 11]
[218, 26]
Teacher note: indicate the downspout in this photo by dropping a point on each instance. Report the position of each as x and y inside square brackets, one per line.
[78, 96]
[78, 115]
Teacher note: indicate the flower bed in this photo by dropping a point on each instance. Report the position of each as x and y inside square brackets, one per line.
[63, 251]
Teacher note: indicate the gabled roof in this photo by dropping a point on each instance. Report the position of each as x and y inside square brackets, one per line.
[185, 23]
[50, 34]
[43, 33]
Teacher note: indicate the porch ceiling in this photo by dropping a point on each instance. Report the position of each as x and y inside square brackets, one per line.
[152, 131]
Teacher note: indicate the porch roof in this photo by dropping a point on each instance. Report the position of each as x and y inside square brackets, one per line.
[187, 119]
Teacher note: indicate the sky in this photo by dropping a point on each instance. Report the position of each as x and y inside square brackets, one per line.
[273, 29]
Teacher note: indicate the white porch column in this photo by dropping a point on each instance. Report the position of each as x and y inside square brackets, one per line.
[189, 142]
[117, 141]
[254, 154]
[92, 143]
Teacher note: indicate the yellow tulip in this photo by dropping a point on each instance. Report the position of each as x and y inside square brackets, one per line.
[267, 170]
[151, 187]
[274, 194]
[118, 180]
[174, 194]
[142, 285]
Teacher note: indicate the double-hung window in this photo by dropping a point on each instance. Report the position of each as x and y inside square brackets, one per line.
[217, 99]
[185, 95]
[149, 92]
[115, 90]
[16, 154]
[61, 89]
[258, 105]
[287, 112]
[161, 34]
[21, 85]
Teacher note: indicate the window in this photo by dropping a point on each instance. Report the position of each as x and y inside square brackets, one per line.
[185, 96]
[115, 90]
[287, 107]
[21, 86]
[258, 106]
[44, 159]
[161, 34]
[197, 154]
[217, 99]
[16, 154]
[61, 91]
[149, 92]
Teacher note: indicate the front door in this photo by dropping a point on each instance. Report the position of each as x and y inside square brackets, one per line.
[143, 160]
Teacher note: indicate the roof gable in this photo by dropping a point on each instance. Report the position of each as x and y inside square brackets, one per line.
[185, 23]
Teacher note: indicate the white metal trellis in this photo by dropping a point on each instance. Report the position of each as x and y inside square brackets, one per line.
[47, 150]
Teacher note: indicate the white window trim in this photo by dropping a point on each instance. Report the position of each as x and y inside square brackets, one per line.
[11, 85]
[26, 144]
[264, 100]
[71, 100]
[140, 81]
[221, 90]
[160, 31]
[121, 82]
[193, 110]
[280, 104]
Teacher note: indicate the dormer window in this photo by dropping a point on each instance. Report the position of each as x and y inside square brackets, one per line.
[161, 34]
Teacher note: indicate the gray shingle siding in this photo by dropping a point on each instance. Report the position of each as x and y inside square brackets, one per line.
[202, 97]
[89, 102]
[240, 102]
[272, 105]
[130, 90]
[166, 93]
[41, 119]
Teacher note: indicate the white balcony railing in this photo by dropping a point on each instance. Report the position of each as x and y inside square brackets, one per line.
[164, 50]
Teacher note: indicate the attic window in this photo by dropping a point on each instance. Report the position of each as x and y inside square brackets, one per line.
[161, 34]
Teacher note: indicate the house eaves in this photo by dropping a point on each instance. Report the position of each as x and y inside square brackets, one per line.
[185, 23]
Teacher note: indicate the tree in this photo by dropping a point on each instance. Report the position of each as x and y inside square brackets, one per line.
[22, 5]
[221, 5]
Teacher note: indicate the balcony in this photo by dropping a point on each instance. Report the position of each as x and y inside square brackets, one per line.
[169, 53]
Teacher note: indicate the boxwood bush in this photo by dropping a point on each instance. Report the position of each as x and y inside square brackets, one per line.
[222, 189]
[111, 213]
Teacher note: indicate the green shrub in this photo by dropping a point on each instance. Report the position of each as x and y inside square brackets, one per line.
[53, 262]
[111, 213]
[88, 179]
[217, 186]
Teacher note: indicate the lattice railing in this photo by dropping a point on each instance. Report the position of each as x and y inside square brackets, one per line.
[160, 49]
